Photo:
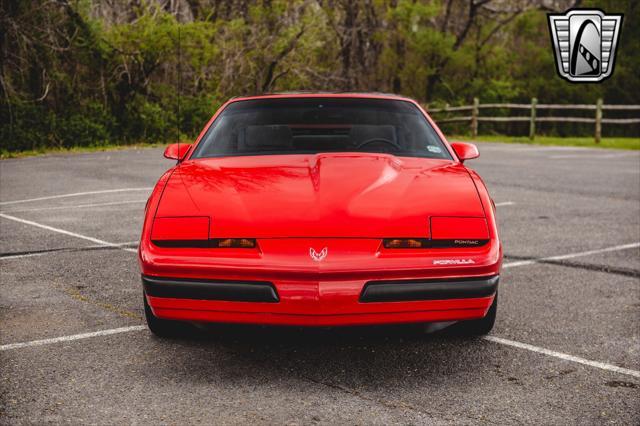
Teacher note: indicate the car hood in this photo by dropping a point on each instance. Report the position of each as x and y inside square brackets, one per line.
[320, 195]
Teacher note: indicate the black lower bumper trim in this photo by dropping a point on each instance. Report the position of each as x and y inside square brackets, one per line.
[407, 290]
[235, 291]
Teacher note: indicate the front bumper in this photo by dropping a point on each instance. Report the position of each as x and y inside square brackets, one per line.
[304, 302]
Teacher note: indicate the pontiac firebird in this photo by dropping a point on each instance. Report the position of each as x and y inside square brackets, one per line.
[320, 210]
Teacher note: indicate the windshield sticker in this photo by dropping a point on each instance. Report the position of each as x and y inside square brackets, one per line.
[435, 149]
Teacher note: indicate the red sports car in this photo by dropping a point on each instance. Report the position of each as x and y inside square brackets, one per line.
[320, 210]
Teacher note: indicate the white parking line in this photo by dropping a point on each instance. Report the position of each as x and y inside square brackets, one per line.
[570, 255]
[76, 206]
[566, 357]
[494, 339]
[72, 337]
[71, 234]
[129, 243]
[75, 194]
[505, 203]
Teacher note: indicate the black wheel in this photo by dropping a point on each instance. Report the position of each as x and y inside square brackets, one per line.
[162, 327]
[478, 327]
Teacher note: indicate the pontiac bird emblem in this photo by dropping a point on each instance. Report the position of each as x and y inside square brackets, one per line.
[584, 41]
[318, 256]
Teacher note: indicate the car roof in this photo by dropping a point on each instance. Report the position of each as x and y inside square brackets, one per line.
[319, 94]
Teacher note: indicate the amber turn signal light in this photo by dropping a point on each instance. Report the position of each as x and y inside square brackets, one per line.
[394, 243]
[233, 243]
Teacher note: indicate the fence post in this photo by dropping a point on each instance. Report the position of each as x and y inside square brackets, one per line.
[474, 118]
[532, 121]
[598, 120]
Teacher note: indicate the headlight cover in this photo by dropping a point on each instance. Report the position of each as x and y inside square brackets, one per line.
[192, 232]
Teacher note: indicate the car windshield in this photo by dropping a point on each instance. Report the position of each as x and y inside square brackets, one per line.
[279, 126]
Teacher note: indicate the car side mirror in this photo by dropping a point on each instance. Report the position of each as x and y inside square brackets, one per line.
[177, 151]
[465, 151]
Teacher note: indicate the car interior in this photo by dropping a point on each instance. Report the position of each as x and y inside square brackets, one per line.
[317, 126]
[311, 138]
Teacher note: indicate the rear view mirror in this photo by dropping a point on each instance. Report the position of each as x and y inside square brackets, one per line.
[177, 151]
[465, 151]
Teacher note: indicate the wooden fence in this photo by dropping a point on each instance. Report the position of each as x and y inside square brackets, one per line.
[598, 120]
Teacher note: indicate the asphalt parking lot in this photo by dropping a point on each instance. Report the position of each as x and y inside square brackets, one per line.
[565, 349]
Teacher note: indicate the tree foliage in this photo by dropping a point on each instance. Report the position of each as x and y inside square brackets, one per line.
[86, 72]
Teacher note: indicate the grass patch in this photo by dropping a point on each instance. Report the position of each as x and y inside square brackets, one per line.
[74, 150]
[587, 142]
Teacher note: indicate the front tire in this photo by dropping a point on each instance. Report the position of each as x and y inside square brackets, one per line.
[161, 327]
[481, 326]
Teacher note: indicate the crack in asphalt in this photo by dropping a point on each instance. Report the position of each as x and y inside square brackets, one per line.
[398, 405]
[626, 272]
[66, 250]
[77, 295]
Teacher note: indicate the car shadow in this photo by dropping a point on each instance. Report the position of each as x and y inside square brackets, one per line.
[365, 358]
